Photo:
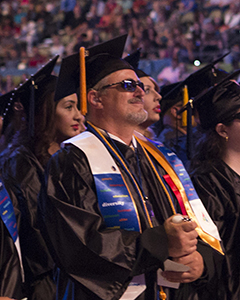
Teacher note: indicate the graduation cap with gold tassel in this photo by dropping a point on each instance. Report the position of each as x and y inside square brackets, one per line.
[195, 83]
[201, 79]
[81, 71]
[219, 102]
[203, 104]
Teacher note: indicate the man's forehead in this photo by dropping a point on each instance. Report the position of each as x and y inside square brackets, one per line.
[123, 74]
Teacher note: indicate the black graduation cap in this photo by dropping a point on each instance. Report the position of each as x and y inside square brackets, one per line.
[199, 80]
[218, 75]
[195, 83]
[26, 93]
[209, 113]
[101, 60]
[5, 106]
[39, 77]
[219, 103]
[102, 65]
[133, 60]
[169, 98]
[5, 101]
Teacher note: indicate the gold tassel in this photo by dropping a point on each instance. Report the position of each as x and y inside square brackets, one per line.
[162, 294]
[185, 101]
[82, 85]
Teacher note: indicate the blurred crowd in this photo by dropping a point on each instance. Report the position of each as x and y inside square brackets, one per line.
[32, 32]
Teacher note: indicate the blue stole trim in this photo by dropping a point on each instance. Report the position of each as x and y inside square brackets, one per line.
[7, 212]
[9, 219]
[124, 166]
[193, 205]
[179, 169]
[115, 202]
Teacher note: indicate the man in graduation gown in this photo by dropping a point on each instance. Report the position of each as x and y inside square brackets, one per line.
[106, 210]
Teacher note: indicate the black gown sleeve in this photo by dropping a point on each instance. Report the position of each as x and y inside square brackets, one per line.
[10, 273]
[219, 190]
[22, 175]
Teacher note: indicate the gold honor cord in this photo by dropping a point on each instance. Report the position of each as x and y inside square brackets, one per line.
[135, 183]
[159, 178]
[82, 83]
[214, 243]
[134, 204]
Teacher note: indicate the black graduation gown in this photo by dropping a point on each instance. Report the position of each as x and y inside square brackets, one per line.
[177, 142]
[10, 272]
[22, 174]
[95, 262]
[174, 140]
[219, 188]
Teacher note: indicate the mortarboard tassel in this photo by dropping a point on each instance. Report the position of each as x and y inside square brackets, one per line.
[185, 101]
[83, 88]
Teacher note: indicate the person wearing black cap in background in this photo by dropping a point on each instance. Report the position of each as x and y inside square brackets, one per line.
[215, 170]
[105, 207]
[48, 122]
[169, 129]
[173, 130]
[11, 271]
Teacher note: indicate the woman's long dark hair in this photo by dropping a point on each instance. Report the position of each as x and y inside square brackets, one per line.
[44, 123]
[208, 150]
[45, 120]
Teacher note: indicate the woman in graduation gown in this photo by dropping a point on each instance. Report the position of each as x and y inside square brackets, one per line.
[23, 167]
[11, 272]
[216, 171]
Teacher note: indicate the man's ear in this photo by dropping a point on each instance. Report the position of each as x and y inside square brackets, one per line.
[221, 129]
[94, 99]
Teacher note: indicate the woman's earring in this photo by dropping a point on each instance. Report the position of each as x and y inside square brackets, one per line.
[226, 138]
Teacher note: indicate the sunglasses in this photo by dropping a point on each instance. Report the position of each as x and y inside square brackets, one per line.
[128, 85]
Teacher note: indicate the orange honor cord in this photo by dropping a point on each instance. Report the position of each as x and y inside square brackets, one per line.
[185, 101]
[82, 85]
